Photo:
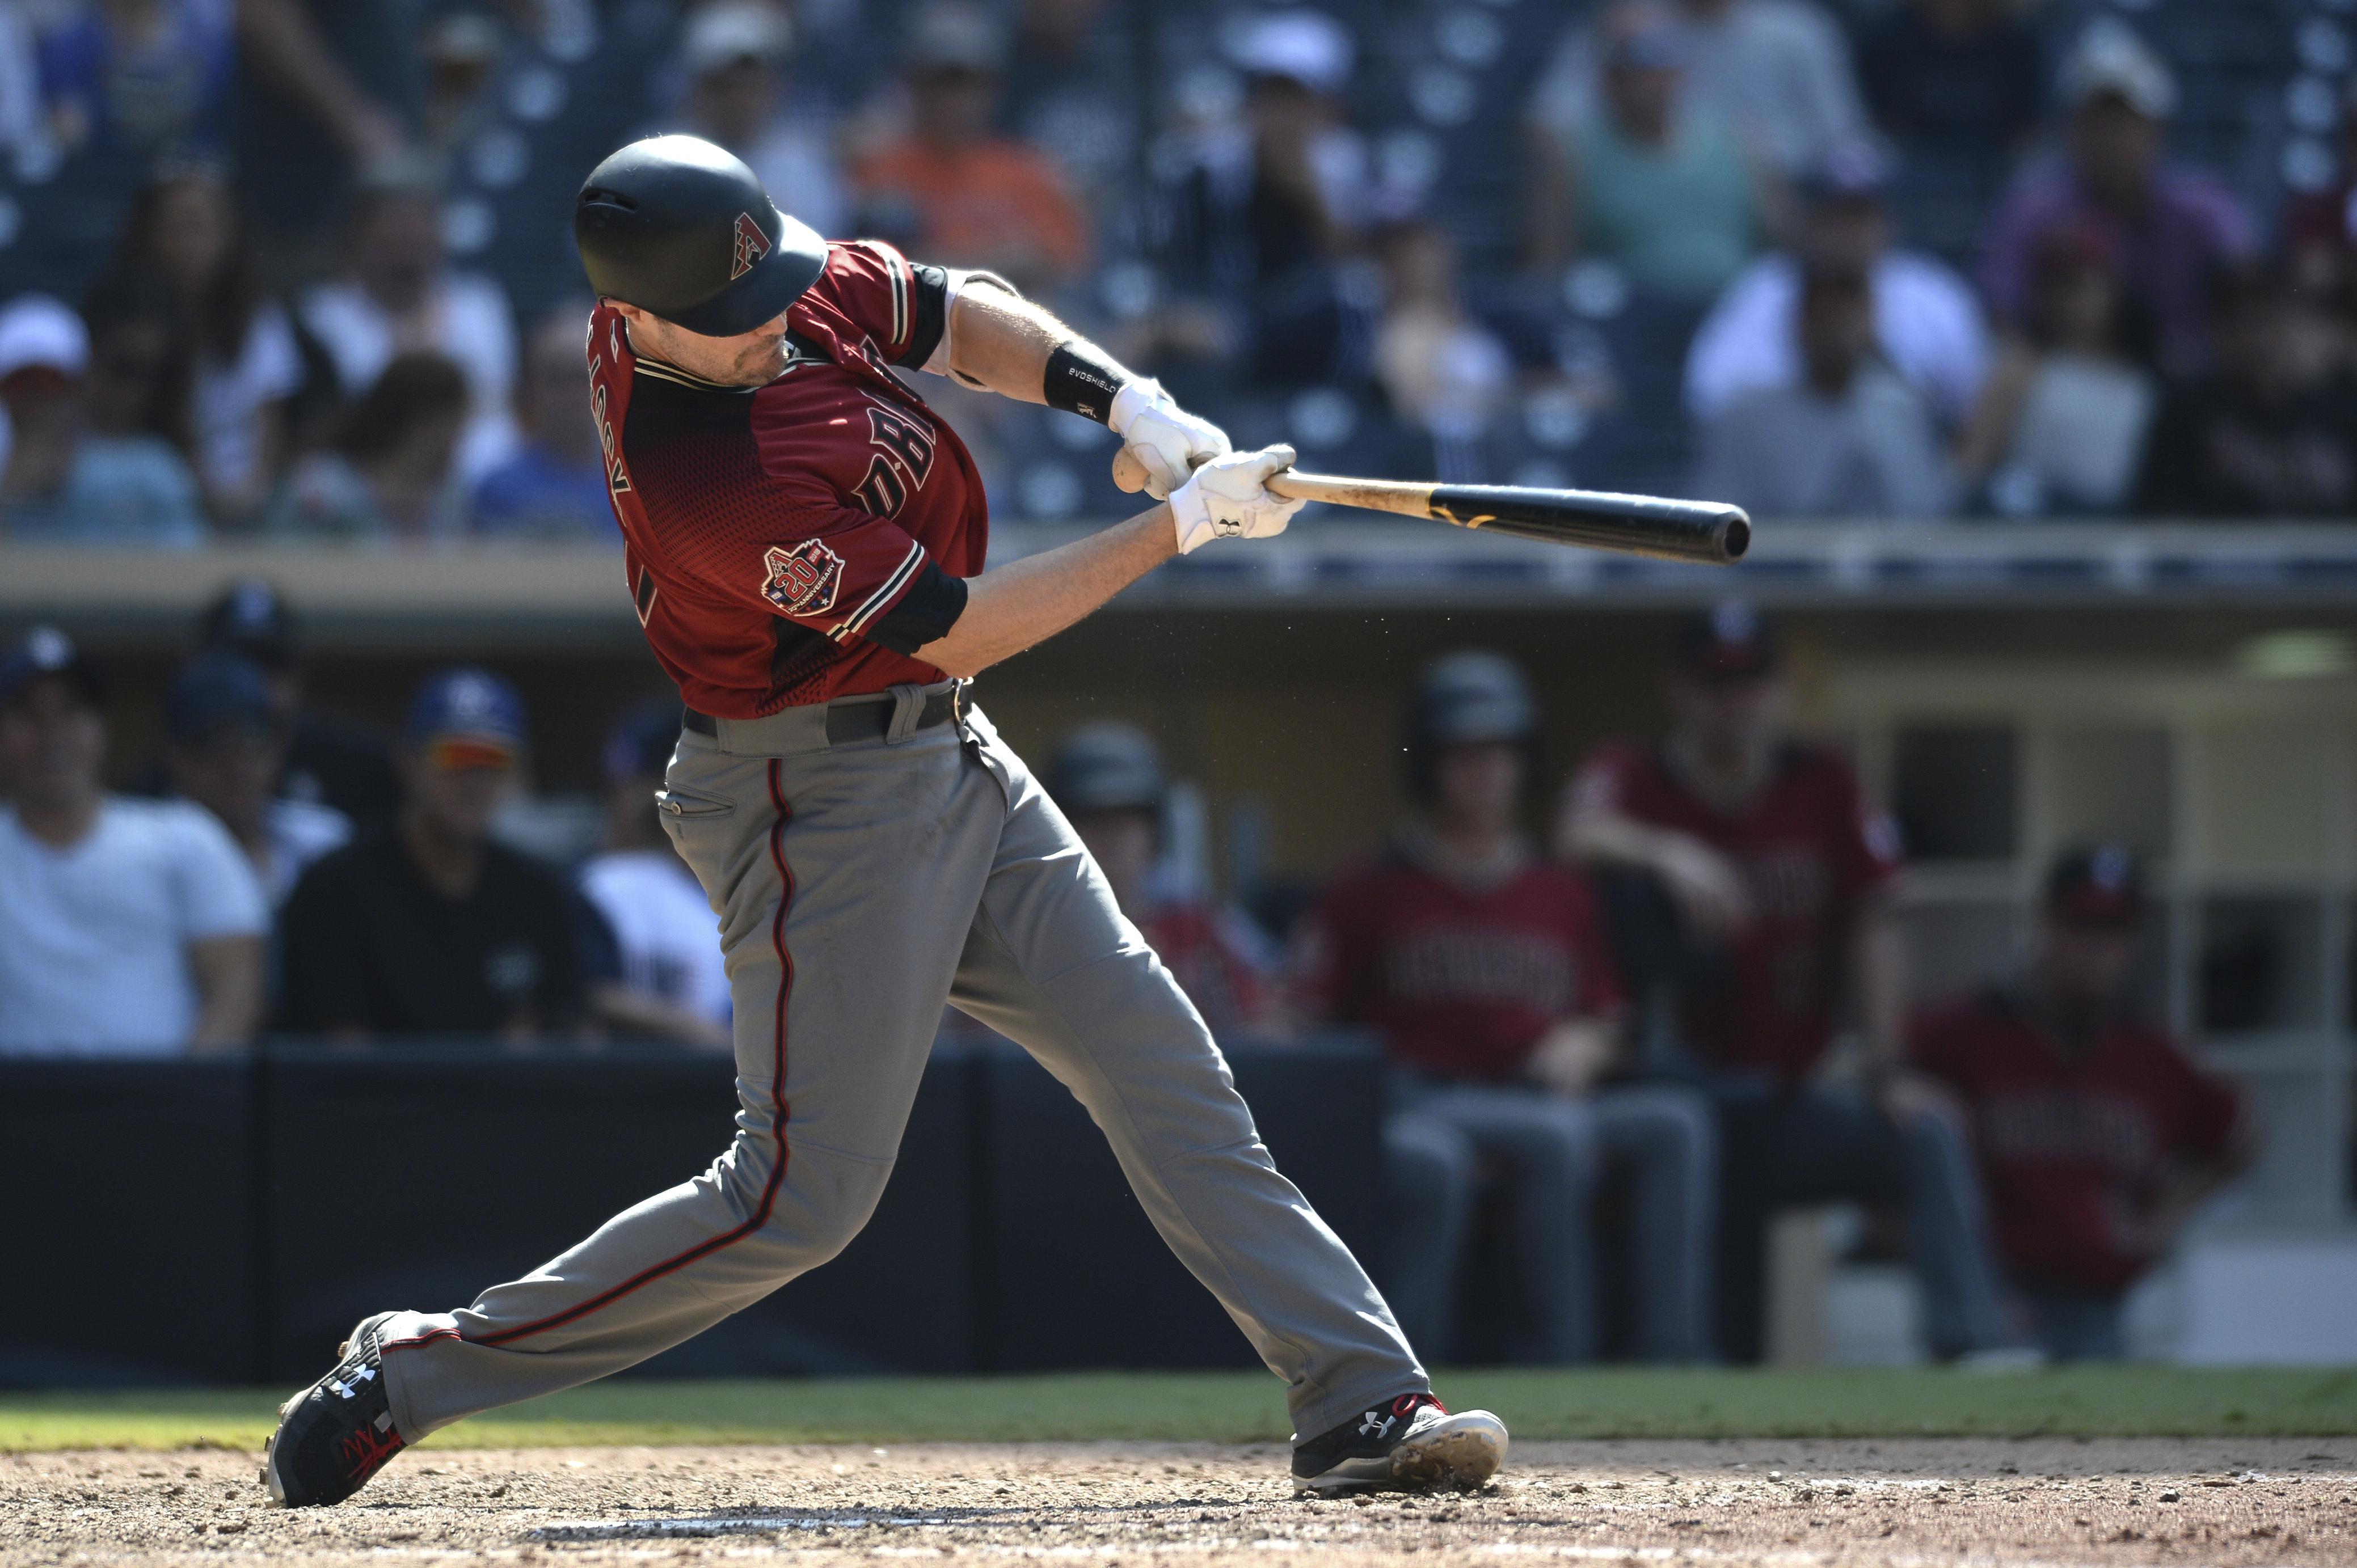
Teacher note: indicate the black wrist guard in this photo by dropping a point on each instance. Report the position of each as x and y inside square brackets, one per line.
[1081, 381]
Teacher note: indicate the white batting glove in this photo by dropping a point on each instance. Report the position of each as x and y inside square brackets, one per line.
[1228, 499]
[1166, 440]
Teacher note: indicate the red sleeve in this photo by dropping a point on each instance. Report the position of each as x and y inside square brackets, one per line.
[1868, 856]
[2207, 1107]
[827, 555]
[873, 286]
[1932, 1044]
[1601, 994]
[1328, 956]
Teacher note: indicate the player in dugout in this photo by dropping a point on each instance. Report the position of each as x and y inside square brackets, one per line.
[804, 544]
[1484, 967]
[1783, 878]
[2097, 1136]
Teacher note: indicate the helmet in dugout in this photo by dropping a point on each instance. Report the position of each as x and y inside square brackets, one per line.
[1467, 699]
[680, 227]
[1107, 766]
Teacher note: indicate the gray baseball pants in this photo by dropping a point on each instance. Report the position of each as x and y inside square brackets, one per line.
[1555, 1151]
[859, 888]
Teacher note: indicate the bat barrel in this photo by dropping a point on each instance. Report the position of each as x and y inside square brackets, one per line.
[1713, 533]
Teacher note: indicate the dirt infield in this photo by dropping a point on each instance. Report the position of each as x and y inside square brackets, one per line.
[1919, 1503]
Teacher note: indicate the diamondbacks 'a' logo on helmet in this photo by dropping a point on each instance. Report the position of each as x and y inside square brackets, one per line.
[751, 246]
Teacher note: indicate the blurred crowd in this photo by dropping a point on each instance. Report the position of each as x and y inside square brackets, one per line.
[1626, 1022]
[301, 269]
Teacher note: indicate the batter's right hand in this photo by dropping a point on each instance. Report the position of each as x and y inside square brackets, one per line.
[1228, 499]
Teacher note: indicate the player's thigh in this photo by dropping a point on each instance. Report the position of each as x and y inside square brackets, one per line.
[1052, 963]
[1650, 1121]
[1825, 1148]
[845, 882]
[1540, 1135]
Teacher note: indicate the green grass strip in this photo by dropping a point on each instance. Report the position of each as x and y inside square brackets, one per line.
[2119, 1400]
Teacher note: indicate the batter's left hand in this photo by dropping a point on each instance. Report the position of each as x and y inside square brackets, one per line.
[1162, 444]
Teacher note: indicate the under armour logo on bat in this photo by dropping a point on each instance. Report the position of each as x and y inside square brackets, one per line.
[751, 246]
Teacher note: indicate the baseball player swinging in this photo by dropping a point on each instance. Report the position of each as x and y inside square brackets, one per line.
[804, 548]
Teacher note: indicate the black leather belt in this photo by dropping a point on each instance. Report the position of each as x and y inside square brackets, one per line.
[847, 722]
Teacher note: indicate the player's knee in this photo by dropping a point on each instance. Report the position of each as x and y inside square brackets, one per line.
[830, 1199]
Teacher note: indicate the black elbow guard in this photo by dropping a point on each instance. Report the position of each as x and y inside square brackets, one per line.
[925, 612]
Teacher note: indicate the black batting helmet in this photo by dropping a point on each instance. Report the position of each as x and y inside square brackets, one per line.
[1465, 699]
[1107, 766]
[682, 228]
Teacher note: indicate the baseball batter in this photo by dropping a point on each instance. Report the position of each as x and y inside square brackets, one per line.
[805, 548]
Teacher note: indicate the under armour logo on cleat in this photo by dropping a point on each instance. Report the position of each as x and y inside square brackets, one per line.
[1375, 1425]
[343, 1390]
[366, 1374]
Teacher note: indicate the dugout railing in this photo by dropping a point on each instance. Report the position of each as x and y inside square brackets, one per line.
[225, 1219]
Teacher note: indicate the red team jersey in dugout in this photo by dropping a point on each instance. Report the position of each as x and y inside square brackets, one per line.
[1460, 982]
[781, 540]
[1811, 851]
[2072, 1148]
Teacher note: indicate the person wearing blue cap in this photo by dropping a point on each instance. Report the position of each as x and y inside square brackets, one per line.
[432, 927]
[224, 744]
[653, 967]
[127, 928]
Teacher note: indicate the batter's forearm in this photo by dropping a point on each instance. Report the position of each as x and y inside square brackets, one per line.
[1009, 608]
[1001, 341]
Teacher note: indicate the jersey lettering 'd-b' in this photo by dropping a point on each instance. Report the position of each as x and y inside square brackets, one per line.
[797, 541]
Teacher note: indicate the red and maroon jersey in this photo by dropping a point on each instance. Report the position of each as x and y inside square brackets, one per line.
[1210, 966]
[1811, 850]
[796, 541]
[1460, 982]
[2072, 1146]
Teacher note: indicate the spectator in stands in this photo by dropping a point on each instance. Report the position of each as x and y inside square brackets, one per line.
[1851, 440]
[1107, 777]
[127, 928]
[2320, 227]
[1070, 89]
[396, 296]
[1781, 879]
[554, 484]
[736, 52]
[392, 471]
[1958, 86]
[1445, 372]
[2097, 1137]
[433, 927]
[2271, 430]
[328, 762]
[956, 192]
[1263, 207]
[225, 748]
[1485, 970]
[1927, 323]
[654, 967]
[245, 366]
[2062, 423]
[140, 80]
[1655, 183]
[330, 93]
[1776, 73]
[80, 468]
[2169, 226]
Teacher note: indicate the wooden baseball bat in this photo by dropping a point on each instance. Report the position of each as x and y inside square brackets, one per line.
[1714, 532]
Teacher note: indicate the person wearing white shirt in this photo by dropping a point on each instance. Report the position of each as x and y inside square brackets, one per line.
[1776, 70]
[396, 295]
[1928, 323]
[127, 928]
[655, 968]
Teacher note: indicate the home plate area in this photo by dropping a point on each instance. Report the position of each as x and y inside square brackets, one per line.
[1912, 1502]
